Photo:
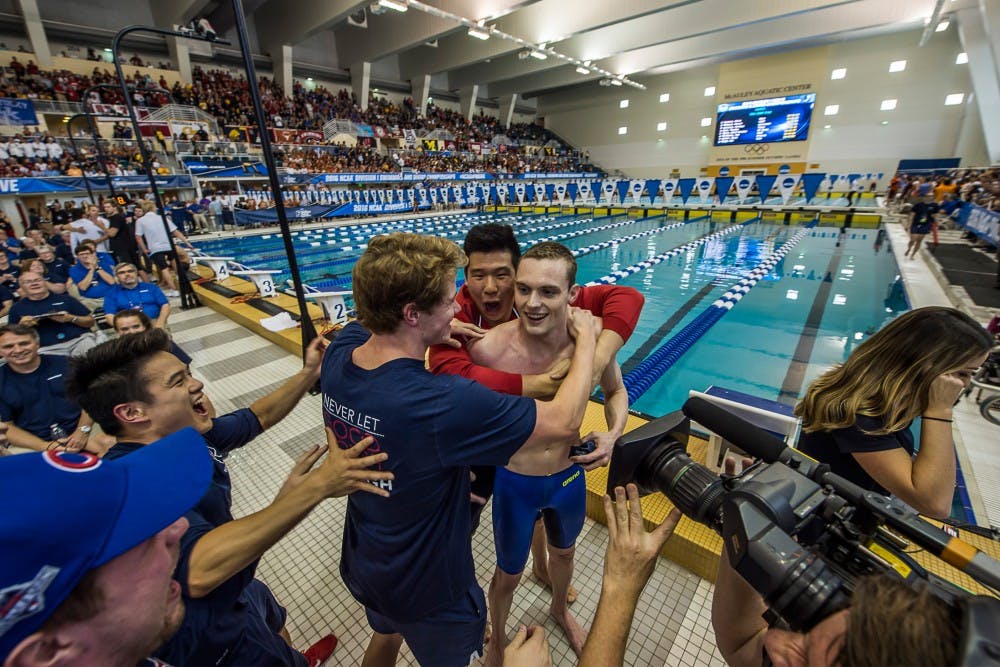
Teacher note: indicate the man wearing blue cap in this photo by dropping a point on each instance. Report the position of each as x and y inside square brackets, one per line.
[95, 587]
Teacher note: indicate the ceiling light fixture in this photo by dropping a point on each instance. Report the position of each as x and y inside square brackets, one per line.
[530, 49]
[479, 32]
[398, 5]
[582, 70]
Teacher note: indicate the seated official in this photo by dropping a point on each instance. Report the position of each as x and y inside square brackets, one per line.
[88, 552]
[857, 416]
[93, 276]
[135, 321]
[132, 294]
[63, 323]
[33, 397]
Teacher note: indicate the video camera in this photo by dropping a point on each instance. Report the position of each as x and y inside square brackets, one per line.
[800, 535]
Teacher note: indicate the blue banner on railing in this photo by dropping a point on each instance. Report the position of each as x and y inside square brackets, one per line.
[17, 112]
[983, 223]
[399, 177]
[270, 216]
[33, 186]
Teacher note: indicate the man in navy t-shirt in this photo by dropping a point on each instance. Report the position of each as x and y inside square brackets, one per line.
[232, 618]
[131, 294]
[408, 559]
[33, 397]
[61, 321]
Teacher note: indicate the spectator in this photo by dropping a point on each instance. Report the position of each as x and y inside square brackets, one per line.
[135, 321]
[63, 323]
[55, 270]
[151, 237]
[33, 397]
[131, 294]
[93, 275]
[95, 586]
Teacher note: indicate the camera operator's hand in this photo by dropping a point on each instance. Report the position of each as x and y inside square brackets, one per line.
[629, 562]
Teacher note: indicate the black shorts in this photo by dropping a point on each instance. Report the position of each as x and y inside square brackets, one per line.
[162, 260]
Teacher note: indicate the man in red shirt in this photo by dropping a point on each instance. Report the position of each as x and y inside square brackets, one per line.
[486, 300]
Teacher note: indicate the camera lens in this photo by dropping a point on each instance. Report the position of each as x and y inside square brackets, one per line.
[693, 488]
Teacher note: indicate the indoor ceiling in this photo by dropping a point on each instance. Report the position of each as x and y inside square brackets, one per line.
[626, 38]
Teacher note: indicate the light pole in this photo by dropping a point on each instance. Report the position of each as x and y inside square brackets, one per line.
[308, 330]
[188, 298]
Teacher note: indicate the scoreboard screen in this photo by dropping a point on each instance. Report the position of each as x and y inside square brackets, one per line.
[764, 121]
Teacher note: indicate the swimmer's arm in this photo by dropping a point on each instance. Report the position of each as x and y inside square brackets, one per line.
[615, 414]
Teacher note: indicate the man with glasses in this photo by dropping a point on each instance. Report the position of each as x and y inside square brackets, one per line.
[132, 294]
[93, 275]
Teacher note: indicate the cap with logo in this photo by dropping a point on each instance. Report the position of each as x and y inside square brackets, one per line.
[70, 512]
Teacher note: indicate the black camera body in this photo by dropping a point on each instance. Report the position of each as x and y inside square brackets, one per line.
[800, 535]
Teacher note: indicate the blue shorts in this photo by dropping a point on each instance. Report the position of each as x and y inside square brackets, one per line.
[518, 499]
[448, 637]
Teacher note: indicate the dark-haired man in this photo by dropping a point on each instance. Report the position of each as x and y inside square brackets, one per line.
[132, 294]
[408, 558]
[93, 275]
[139, 392]
[94, 586]
[127, 322]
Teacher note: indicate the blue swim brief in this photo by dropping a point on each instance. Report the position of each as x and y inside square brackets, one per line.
[517, 501]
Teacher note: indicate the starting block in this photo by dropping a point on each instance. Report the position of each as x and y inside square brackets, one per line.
[332, 304]
[262, 278]
[219, 265]
[776, 418]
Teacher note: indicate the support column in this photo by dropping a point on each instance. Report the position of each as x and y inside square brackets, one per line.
[507, 109]
[361, 74]
[180, 55]
[281, 62]
[36, 33]
[467, 101]
[989, 10]
[420, 89]
[983, 73]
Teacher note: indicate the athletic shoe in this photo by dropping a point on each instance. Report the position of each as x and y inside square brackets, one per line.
[321, 651]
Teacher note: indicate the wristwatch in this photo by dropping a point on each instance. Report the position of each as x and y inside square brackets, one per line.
[86, 429]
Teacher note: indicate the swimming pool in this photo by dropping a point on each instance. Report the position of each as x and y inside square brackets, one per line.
[807, 312]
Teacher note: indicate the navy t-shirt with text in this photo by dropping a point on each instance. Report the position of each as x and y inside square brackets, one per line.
[409, 554]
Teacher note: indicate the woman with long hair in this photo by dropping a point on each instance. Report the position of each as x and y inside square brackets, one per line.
[856, 416]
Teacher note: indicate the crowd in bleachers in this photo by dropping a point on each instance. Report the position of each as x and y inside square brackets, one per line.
[226, 97]
[980, 187]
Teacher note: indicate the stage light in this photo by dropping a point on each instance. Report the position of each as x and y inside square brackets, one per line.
[398, 5]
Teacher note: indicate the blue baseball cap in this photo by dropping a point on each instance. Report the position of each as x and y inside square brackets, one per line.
[71, 512]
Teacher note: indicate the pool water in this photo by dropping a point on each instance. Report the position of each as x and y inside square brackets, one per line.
[808, 311]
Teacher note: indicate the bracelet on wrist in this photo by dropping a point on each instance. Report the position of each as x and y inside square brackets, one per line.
[937, 419]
